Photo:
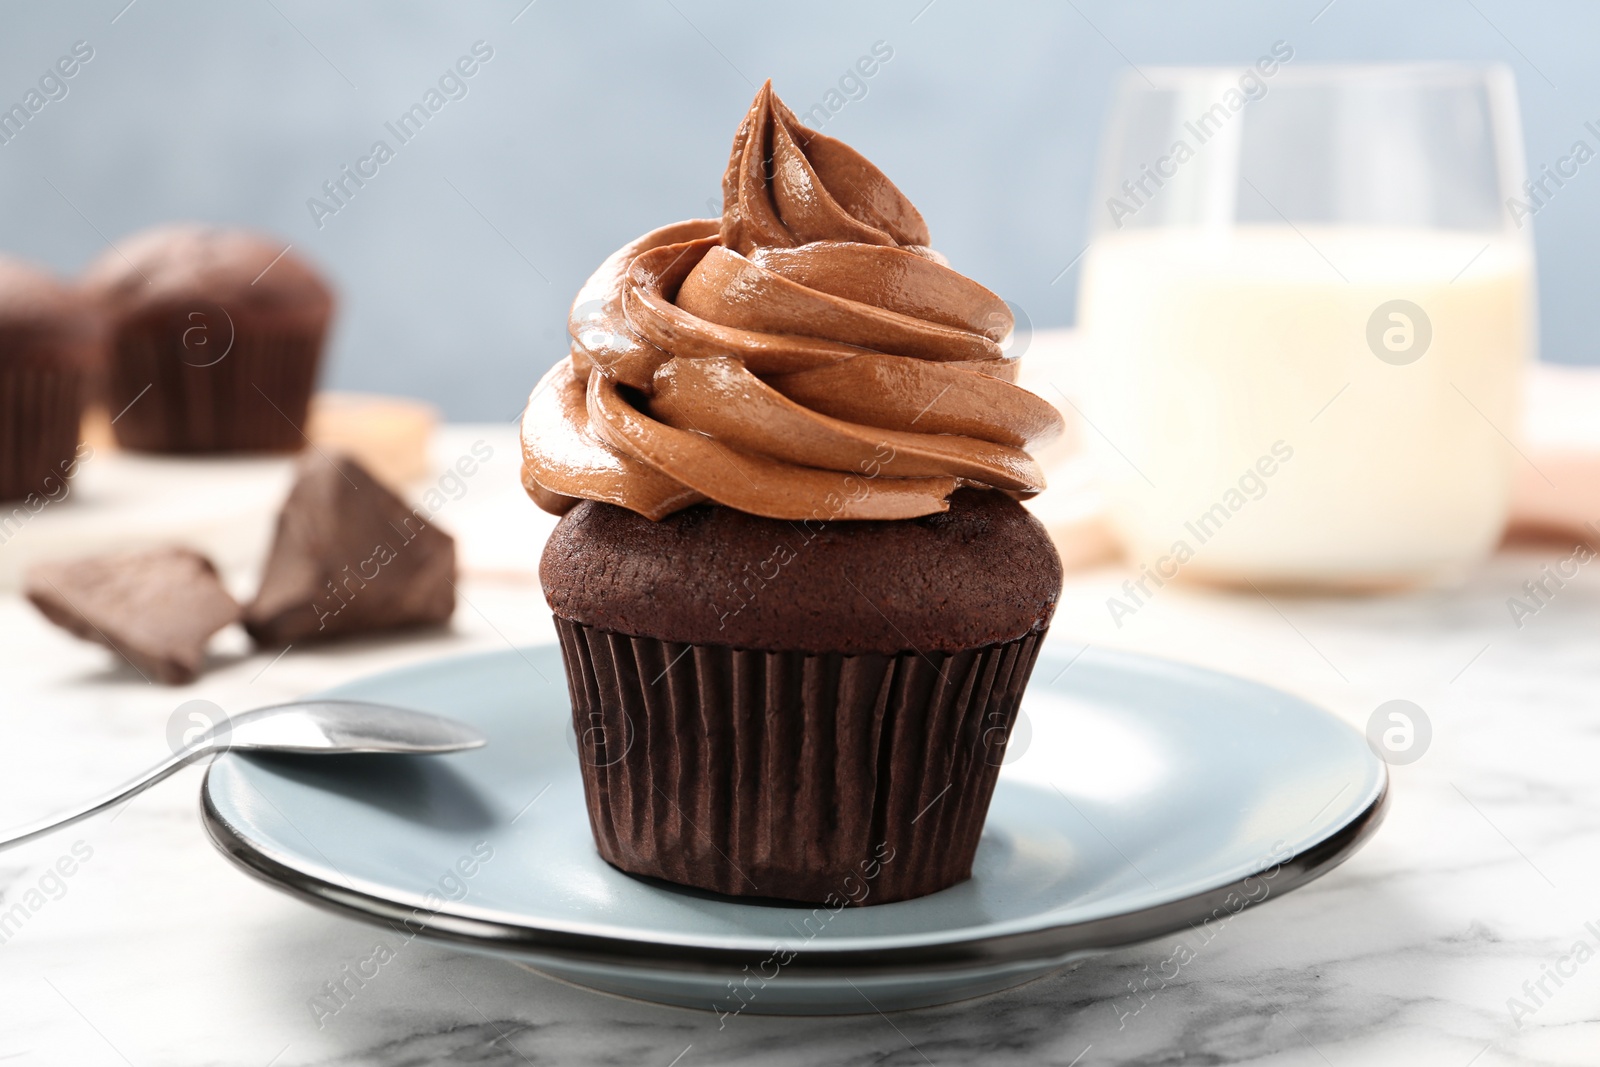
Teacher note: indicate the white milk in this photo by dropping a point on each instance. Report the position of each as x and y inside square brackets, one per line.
[1247, 429]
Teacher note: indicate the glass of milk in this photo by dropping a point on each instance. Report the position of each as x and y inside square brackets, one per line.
[1306, 305]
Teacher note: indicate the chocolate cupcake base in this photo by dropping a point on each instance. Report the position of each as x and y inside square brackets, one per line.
[40, 412]
[212, 386]
[822, 778]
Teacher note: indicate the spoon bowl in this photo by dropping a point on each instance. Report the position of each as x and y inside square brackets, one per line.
[312, 727]
[334, 726]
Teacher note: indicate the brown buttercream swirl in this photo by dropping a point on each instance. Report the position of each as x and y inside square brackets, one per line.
[805, 356]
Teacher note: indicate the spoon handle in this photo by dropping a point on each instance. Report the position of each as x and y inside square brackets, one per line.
[133, 788]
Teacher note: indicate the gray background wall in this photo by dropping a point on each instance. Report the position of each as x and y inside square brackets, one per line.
[596, 121]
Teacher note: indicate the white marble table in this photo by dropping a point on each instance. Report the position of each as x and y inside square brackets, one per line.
[157, 951]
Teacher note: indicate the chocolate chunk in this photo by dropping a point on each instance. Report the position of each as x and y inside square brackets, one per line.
[350, 557]
[156, 608]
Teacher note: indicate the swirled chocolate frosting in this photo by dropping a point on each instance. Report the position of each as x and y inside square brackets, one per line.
[807, 356]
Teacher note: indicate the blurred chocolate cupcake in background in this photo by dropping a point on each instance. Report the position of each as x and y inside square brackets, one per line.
[49, 342]
[215, 339]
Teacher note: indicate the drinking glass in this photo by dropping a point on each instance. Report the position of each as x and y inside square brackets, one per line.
[1305, 306]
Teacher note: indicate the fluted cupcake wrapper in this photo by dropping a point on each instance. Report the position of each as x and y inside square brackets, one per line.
[173, 398]
[858, 779]
[40, 412]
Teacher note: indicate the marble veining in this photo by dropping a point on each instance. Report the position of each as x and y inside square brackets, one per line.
[158, 951]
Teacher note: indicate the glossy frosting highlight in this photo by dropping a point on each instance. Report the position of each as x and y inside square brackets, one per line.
[806, 356]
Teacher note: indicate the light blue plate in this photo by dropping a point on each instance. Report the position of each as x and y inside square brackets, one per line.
[1139, 797]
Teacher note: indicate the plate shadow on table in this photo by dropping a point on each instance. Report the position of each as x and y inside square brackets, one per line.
[1253, 976]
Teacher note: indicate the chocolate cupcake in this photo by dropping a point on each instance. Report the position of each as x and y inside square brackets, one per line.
[216, 336]
[49, 344]
[798, 603]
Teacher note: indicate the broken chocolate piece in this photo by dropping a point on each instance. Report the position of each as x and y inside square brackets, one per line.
[156, 608]
[350, 557]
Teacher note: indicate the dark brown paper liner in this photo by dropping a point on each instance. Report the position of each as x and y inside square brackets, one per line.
[819, 778]
[40, 410]
[253, 399]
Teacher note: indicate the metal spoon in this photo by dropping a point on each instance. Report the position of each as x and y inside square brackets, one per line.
[311, 726]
